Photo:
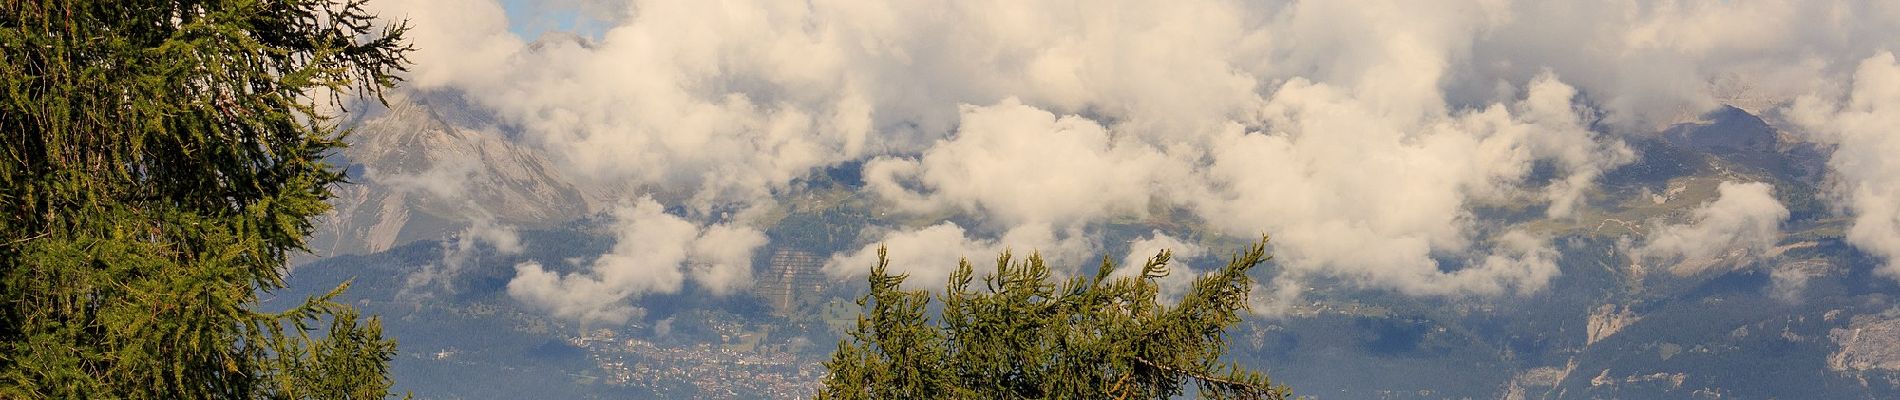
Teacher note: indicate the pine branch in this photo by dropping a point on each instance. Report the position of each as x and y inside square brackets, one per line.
[23, 240]
[1242, 387]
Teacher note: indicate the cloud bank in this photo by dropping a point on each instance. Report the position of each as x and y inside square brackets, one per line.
[1865, 127]
[1337, 127]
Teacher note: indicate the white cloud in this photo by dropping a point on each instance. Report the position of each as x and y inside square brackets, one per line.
[1336, 127]
[724, 257]
[457, 42]
[1653, 62]
[459, 251]
[1864, 165]
[1016, 164]
[1334, 178]
[1743, 217]
[652, 253]
[1181, 275]
[930, 254]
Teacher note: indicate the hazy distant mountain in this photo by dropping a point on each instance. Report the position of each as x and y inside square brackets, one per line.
[426, 165]
[1803, 319]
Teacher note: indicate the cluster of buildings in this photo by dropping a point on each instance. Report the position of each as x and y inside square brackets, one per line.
[702, 370]
[790, 274]
[734, 361]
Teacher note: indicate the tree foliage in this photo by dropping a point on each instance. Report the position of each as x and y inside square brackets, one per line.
[1023, 334]
[160, 160]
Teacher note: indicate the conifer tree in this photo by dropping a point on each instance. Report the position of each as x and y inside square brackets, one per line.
[159, 159]
[1023, 335]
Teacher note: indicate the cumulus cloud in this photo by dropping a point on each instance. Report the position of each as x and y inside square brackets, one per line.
[1363, 154]
[1336, 127]
[1649, 63]
[700, 104]
[930, 254]
[1864, 165]
[1181, 274]
[654, 252]
[1743, 217]
[724, 257]
[459, 251]
[457, 42]
[1016, 164]
[1333, 178]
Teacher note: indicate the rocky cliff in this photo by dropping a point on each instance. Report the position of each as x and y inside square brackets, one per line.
[426, 165]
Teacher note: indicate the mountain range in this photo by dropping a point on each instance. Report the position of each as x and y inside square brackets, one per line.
[1804, 318]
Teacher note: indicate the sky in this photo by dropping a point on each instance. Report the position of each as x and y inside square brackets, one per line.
[528, 19]
[1335, 127]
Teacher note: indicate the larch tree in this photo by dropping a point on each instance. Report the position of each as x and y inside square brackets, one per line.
[160, 161]
[1025, 335]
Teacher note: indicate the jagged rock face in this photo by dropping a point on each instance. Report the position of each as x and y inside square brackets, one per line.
[1870, 342]
[1607, 320]
[426, 165]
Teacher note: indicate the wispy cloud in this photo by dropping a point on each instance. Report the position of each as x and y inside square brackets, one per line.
[1744, 218]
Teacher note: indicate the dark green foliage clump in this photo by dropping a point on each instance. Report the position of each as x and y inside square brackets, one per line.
[159, 160]
[1023, 335]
